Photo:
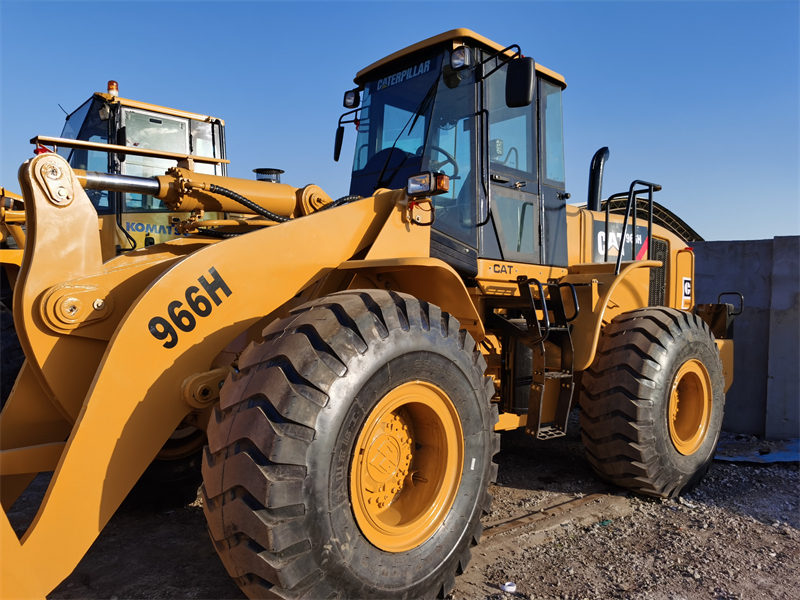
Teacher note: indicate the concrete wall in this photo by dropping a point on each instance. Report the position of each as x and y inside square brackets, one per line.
[765, 397]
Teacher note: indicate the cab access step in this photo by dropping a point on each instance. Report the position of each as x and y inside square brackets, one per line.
[544, 326]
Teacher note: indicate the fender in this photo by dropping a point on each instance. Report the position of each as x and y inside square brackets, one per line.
[428, 279]
[602, 296]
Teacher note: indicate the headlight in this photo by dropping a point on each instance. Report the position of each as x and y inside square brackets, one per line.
[428, 184]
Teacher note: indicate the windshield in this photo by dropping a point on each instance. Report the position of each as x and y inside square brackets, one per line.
[421, 118]
[392, 126]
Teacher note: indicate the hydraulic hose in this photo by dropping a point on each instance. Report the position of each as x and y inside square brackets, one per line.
[215, 189]
[341, 201]
[216, 234]
[223, 236]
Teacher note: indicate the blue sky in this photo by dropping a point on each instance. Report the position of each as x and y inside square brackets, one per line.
[702, 97]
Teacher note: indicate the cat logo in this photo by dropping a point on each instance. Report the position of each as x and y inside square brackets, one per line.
[687, 293]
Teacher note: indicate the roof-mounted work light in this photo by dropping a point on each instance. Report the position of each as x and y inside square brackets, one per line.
[461, 58]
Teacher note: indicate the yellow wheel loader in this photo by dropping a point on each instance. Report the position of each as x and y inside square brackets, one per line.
[156, 137]
[352, 361]
[128, 220]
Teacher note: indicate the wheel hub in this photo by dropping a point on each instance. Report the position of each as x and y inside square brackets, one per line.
[388, 459]
[406, 466]
[690, 407]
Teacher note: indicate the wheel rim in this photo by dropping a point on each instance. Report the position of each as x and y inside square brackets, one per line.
[406, 466]
[690, 407]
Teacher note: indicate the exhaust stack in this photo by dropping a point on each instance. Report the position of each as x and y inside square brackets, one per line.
[596, 178]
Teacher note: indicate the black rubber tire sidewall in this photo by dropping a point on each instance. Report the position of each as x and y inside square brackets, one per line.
[348, 556]
[692, 344]
[626, 395]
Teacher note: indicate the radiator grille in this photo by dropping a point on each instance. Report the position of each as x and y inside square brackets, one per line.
[658, 276]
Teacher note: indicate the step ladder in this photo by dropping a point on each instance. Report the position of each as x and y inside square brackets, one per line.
[548, 326]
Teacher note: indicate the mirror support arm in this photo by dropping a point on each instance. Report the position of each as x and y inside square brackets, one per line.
[504, 61]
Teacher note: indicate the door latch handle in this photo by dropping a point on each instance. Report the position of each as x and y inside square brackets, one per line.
[519, 184]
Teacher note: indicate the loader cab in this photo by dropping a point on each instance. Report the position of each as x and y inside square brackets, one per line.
[108, 119]
[419, 113]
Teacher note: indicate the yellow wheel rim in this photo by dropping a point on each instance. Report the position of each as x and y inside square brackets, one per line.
[407, 466]
[690, 407]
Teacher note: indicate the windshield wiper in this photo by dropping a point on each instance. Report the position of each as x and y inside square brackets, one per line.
[421, 109]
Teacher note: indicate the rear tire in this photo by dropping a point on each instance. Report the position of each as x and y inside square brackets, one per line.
[652, 402]
[282, 477]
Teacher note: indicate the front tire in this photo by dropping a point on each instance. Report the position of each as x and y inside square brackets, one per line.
[652, 402]
[352, 453]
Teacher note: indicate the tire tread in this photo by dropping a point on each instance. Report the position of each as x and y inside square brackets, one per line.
[620, 400]
[255, 463]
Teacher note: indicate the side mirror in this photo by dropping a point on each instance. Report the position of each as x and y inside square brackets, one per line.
[122, 140]
[520, 79]
[337, 145]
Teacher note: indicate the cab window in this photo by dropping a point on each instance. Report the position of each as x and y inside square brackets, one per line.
[450, 149]
[205, 140]
[512, 131]
[553, 138]
[87, 125]
[392, 125]
[156, 132]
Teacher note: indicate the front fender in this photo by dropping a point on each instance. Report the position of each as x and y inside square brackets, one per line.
[428, 279]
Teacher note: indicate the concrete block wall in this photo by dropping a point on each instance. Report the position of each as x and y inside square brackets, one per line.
[765, 397]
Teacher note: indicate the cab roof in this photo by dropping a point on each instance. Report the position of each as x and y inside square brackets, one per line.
[155, 108]
[456, 37]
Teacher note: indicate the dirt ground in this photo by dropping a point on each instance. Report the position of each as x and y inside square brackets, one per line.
[735, 536]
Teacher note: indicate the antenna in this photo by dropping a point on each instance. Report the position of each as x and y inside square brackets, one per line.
[62, 108]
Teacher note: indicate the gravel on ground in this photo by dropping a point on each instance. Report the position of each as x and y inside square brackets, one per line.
[737, 535]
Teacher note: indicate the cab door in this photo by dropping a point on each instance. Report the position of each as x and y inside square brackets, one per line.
[554, 198]
[513, 173]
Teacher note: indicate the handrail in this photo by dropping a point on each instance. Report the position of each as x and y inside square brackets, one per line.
[41, 140]
[631, 194]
